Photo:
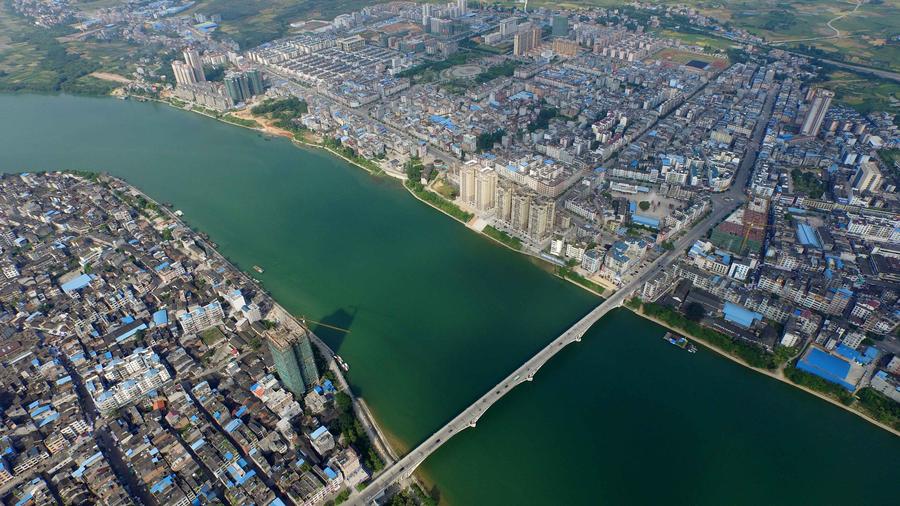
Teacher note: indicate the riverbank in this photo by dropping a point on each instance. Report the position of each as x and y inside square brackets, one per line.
[778, 374]
[553, 269]
[266, 127]
[382, 446]
[306, 217]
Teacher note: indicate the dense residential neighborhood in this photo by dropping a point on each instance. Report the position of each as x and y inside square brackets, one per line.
[136, 362]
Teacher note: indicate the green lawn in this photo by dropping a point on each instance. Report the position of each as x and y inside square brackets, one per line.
[503, 237]
[211, 336]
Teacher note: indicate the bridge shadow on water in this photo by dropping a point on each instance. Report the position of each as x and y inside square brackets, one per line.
[333, 328]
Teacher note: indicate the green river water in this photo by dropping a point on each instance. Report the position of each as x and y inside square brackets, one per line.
[438, 315]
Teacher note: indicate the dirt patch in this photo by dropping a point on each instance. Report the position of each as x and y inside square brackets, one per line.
[107, 76]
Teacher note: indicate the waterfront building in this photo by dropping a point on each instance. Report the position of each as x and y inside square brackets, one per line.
[257, 87]
[541, 214]
[812, 122]
[478, 186]
[192, 58]
[207, 94]
[238, 87]
[183, 73]
[521, 206]
[592, 260]
[503, 202]
[294, 361]
[485, 189]
[887, 385]
[467, 182]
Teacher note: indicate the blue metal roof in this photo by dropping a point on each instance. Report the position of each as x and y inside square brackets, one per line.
[827, 367]
[740, 315]
[808, 236]
[77, 283]
[645, 220]
[160, 317]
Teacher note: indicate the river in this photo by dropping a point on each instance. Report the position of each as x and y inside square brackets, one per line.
[438, 314]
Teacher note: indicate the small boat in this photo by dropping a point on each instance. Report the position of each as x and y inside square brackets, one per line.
[680, 341]
[341, 363]
[258, 269]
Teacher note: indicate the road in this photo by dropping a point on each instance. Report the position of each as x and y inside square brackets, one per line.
[837, 33]
[884, 74]
[723, 204]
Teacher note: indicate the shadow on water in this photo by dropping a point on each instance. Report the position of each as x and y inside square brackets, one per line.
[333, 328]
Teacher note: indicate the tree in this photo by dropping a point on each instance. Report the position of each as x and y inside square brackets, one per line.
[486, 141]
[214, 72]
[694, 312]
[343, 402]
[644, 205]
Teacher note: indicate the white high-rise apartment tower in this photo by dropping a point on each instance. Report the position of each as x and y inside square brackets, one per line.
[184, 74]
[192, 58]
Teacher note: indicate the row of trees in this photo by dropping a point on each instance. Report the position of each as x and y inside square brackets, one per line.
[882, 408]
[814, 382]
[354, 433]
[414, 170]
[753, 355]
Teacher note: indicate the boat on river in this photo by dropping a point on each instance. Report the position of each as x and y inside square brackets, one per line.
[680, 341]
[341, 362]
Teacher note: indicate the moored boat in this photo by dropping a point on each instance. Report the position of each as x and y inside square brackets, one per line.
[680, 341]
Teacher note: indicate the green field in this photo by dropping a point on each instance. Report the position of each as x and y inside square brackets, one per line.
[708, 42]
[252, 22]
[865, 34]
[864, 93]
[32, 59]
[39, 59]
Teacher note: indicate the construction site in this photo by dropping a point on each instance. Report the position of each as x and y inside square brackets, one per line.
[744, 230]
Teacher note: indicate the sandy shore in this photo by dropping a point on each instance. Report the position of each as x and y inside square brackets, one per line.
[266, 125]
